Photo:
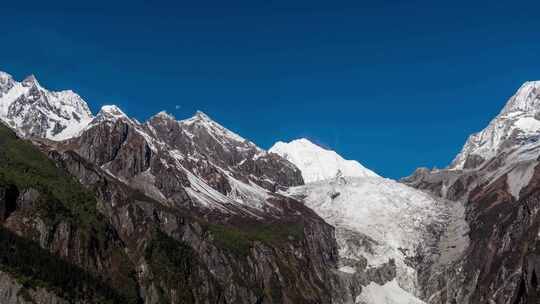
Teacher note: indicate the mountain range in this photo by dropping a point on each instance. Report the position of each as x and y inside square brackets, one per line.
[106, 209]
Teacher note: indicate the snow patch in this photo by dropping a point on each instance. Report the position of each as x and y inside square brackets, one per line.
[347, 269]
[389, 293]
[518, 178]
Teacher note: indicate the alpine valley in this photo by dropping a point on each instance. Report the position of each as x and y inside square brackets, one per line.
[102, 208]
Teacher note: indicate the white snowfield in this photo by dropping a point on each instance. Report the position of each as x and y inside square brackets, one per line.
[519, 119]
[389, 293]
[317, 163]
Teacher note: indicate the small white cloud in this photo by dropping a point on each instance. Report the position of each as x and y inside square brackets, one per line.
[177, 107]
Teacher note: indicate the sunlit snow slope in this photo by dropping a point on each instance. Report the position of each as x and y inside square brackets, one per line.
[317, 163]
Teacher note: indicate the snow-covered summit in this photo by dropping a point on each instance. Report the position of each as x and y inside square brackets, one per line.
[164, 115]
[31, 80]
[37, 112]
[526, 99]
[112, 111]
[317, 163]
[516, 124]
[6, 82]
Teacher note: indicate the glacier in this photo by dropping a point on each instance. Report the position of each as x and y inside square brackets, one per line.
[379, 222]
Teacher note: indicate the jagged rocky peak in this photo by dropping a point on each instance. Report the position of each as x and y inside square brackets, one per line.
[164, 115]
[317, 163]
[202, 121]
[162, 119]
[205, 140]
[200, 115]
[37, 112]
[111, 112]
[526, 99]
[6, 82]
[30, 81]
[517, 124]
[4, 77]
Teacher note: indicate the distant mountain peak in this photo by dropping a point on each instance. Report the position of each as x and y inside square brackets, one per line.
[517, 122]
[165, 115]
[112, 110]
[202, 120]
[37, 112]
[526, 99]
[110, 113]
[201, 115]
[6, 83]
[4, 77]
[317, 163]
[30, 81]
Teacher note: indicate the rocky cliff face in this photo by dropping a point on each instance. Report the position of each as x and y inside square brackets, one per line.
[495, 178]
[12, 292]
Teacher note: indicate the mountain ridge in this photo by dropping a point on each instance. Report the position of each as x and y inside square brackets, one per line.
[295, 224]
[195, 209]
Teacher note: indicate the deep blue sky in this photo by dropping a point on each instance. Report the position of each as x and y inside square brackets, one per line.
[394, 85]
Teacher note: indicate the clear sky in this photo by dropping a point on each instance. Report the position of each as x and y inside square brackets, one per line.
[393, 84]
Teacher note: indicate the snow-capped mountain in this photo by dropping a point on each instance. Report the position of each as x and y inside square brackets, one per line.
[193, 162]
[34, 111]
[317, 163]
[496, 177]
[209, 194]
[517, 124]
[221, 168]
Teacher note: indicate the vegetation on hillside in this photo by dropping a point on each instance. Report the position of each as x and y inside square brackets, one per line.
[62, 199]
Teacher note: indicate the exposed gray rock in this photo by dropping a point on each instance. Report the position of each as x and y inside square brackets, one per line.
[11, 292]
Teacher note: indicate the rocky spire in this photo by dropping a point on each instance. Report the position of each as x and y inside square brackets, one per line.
[30, 81]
